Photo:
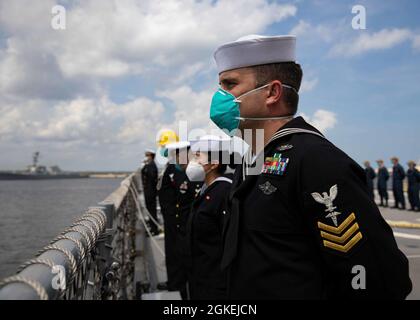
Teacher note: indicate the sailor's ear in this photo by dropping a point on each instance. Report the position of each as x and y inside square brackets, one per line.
[275, 93]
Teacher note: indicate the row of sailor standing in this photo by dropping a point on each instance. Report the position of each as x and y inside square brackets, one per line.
[298, 216]
[398, 175]
[192, 190]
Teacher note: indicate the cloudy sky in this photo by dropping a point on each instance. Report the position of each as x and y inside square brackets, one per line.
[92, 96]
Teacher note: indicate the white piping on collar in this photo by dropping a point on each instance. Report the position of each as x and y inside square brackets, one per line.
[222, 179]
[289, 131]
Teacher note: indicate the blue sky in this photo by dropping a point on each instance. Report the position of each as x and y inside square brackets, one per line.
[375, 93]
[92, 96]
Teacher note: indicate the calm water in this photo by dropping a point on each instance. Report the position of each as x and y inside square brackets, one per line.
[32, 213]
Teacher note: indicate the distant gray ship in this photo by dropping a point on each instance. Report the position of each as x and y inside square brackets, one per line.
[38, 172]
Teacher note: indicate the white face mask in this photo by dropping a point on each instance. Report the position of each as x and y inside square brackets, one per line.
[195, 171]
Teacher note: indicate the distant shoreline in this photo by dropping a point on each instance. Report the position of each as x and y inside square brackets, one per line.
[67, 174]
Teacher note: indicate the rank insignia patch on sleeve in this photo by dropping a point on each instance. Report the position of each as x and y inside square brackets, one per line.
[327, 200]
[341, 237]
[275, 164]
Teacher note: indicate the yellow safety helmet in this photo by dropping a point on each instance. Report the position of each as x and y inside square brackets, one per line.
[167, 136]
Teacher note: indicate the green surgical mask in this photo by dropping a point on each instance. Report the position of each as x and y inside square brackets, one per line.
[164, 152]
[224, 109]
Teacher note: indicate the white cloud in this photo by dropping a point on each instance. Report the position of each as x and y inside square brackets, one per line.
[345, 43]
[301, 28]
[322, 119]
[311, 33]
[55, 85]
[111, 39]
[416, 42]
[308, 85]
[88, 121]
[383, 39]
[141, 118]
[190, 106]
[29, 71]
[99, 121]
[188, 73]
[8, 121]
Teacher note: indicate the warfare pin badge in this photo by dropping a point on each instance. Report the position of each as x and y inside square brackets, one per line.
[267, 188]
[284, 147]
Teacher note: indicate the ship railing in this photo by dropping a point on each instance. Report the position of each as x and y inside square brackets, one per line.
[93, 259]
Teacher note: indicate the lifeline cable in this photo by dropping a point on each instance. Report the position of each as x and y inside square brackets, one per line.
[144, 222]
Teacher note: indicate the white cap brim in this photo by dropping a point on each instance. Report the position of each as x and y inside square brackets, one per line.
[178, 145]
[211, 143]
[255, 50]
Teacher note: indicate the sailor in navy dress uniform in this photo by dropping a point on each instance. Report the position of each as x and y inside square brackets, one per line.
[300, 216]
[370, 176]
[186, 192]
[149, 174]
[204, 230]
[398, 176]
[413, 179]
[167, 193]
[383, 176]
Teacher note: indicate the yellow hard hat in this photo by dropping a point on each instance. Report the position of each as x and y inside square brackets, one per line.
[167, 136]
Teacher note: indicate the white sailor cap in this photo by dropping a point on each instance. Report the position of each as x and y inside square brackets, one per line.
[148, 150]
[211, 143]
[255, 50]
[177, 145]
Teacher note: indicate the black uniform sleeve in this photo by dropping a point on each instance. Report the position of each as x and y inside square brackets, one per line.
[143, 174]
[358, 248]
[372, 174]
[167, 191]
[402, 172]
[153, 175]
[212, 212]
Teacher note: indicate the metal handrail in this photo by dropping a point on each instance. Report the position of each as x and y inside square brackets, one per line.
[92, 259]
